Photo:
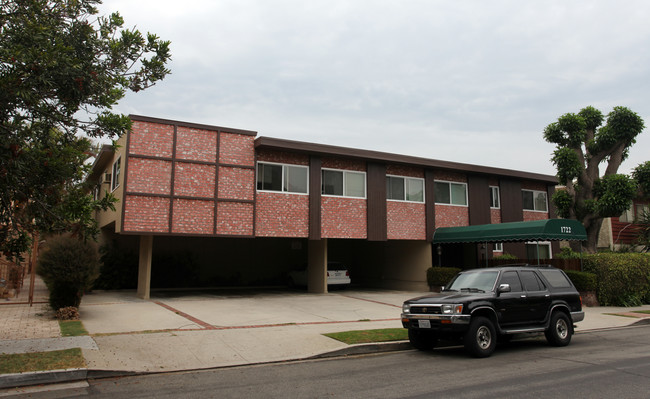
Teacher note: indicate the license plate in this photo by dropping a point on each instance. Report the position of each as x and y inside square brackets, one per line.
[424, 323]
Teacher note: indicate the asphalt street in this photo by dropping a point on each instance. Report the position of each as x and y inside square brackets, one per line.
[597, 364]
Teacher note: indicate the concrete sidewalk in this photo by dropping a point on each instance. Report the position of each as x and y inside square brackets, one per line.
[181, 331]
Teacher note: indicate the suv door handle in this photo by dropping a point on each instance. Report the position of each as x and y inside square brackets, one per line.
[523, 296]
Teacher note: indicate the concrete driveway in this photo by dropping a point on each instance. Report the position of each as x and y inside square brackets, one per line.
[200, 329]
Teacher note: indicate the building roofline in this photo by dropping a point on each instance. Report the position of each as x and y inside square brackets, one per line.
[377, 156]
[141, 118]
[101, 161]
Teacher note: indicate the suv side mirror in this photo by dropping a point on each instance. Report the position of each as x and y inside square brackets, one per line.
[503, 288]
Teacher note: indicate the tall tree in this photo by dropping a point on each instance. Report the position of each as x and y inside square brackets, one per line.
[62, 69]
[583, 143]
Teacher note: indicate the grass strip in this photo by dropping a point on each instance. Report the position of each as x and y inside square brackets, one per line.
[39, 361]
[641, 311]
[72, 328]
[366, 336]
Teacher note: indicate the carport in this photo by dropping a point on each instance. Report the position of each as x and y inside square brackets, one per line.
[533, 231]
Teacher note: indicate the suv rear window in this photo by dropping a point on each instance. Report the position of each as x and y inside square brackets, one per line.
[556, 278]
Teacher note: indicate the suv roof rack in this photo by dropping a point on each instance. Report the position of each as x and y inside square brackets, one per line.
[525, 265]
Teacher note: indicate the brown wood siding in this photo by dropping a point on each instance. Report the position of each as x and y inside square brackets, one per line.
[314, 198]
[479, 199]
[377, 224]
[430, 198]
[512, 209]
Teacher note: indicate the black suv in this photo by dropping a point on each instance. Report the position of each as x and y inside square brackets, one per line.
[482, 305]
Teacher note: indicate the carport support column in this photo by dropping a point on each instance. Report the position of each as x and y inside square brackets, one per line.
[144, 266]
[317, 266]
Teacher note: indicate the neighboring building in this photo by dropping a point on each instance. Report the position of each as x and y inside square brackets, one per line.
[622, 231]
[251, 209]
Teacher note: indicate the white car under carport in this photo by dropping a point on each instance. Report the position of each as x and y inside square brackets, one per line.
[337, 276]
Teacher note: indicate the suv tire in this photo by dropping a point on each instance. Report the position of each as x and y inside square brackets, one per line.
[560, 330]
[422, 340]
[481, 338]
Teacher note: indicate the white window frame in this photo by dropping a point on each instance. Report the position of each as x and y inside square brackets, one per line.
[495, 194]
[498, 247]
[345, 173]
[535, 192]
[450, 183]
[405, 178]
[115, 173]
[283, 174]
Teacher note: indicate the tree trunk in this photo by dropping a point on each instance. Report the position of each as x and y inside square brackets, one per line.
[593, 229]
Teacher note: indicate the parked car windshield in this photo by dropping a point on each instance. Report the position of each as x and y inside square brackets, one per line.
[473, 281]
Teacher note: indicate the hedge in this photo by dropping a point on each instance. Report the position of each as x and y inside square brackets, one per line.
[441, 275]
[583, 281]
[623, 279]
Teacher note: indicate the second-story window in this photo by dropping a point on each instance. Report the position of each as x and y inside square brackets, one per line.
[115, 175]
[345, 183]
[534, 200]
[495, 200]
[404, 189]
[451, 193]
[282, 177]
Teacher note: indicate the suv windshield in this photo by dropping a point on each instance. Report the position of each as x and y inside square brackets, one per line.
[473, 281]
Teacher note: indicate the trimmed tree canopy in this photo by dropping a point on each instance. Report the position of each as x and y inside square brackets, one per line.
[583, 143]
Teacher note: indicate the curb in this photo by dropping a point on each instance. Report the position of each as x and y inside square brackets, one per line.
[42, 377]
[70, 375]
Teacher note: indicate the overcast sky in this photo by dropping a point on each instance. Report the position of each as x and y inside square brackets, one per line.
[466, 81]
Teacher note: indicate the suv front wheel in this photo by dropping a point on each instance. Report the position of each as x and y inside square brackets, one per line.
[559, 331]
[481, 338]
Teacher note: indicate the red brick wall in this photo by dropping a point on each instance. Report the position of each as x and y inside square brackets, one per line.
[193, 216]
[529, 216]
[196, 145]
[194, 180]
[347, 164]
[235, 218]
[236, 183]
[343, 217]
[406, 221]
[237, 149]
[195, 170]
[282, 215]
[283, 157]
[149, 176]
[401, 170]
[146, 214]
[152, 139]
[451, 216]
[495, 216]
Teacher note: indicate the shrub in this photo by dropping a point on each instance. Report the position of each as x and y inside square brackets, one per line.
[623, 279]
[507, 256]
[568, 253]
[441, 275]
[583, 281]
[68, 267]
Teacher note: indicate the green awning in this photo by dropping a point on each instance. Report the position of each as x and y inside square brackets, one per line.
[539, 230]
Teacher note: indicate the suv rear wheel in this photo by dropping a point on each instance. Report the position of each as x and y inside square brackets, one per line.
[481, 338]
[559, 331]
[422, 340]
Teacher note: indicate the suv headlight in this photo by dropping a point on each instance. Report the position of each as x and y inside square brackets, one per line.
[406, 308]
[452, 309]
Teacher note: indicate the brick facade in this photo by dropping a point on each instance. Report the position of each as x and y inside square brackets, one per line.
[406, 220]
[198, 175]
[282, 215]
[343, 217]
[201, 180]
